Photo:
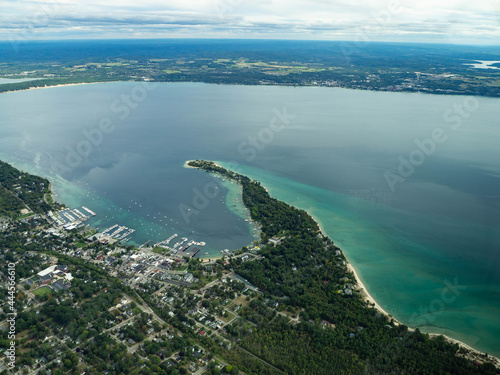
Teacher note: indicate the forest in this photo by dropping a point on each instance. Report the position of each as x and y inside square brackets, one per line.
[19, 189]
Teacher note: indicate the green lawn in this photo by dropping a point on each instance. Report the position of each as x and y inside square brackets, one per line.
[160, 250]
[42, 291]
[25, 216]
[90, 233]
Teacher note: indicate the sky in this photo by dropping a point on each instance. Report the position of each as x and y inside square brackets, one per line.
[439, 21]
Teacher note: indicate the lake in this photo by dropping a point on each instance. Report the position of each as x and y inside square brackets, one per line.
[407, 184]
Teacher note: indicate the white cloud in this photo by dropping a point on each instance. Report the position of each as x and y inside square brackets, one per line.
[390, 20]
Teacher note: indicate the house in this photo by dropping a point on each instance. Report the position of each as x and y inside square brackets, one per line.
[274, 241]
[169, 300]
[162, 353]
[188, 277]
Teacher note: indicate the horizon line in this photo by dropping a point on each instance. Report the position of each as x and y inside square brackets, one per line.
[249, 39]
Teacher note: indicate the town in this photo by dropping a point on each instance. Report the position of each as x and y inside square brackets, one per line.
[85, 304]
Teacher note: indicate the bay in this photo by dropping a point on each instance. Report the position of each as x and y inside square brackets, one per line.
[119, 148]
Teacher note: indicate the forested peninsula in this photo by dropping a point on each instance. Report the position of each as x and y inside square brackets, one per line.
[327, 327]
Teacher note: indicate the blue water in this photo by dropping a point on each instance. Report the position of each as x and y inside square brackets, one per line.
[425, 242]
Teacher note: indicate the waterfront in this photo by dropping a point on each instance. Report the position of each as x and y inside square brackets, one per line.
[440, 224]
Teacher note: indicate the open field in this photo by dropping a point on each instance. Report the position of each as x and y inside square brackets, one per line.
[42, 291]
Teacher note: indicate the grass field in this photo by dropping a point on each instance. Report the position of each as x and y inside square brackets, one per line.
[42, 291]
[229, 317]
[160, 250]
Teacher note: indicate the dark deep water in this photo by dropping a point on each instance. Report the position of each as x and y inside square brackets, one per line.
[407, 184]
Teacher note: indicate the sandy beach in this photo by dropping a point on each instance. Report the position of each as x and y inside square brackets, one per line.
[467, 351]
[186, 164]
[60, 85]
[367, 296]
[361, 287]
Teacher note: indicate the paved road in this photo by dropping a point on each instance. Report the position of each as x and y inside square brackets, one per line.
[200, 370]
[209, 285]
[144, 307]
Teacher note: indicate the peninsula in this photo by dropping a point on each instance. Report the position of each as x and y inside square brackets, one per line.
[320, 292]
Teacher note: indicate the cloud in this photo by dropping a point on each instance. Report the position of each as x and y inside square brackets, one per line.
[425, 20]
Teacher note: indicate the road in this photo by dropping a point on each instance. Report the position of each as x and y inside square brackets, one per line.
[260, 359]
[209, 285]
[145, 308]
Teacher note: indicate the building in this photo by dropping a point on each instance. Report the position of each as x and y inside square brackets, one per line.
[274, 241]
[46, 271]
[60, 285]
[188, 277]
[63, 268]
[45, 279]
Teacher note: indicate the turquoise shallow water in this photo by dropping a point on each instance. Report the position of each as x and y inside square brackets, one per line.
[411, 281]
[323, 150]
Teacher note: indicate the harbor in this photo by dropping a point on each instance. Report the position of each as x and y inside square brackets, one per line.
[182, 248]
[70, 218]
[117, 232]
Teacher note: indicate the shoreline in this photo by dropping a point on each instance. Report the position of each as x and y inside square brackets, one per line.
[213, 258]
[58, 85]
[367, 296]
[470, 352]
[282, 84]
[360, 285]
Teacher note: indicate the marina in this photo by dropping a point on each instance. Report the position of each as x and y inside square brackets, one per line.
[121, 233]
[70, 218]
[190, 249]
